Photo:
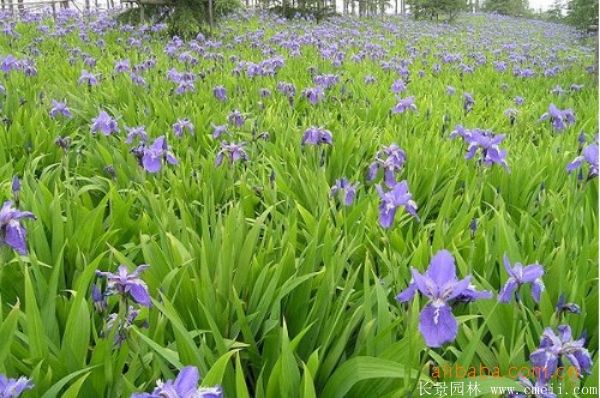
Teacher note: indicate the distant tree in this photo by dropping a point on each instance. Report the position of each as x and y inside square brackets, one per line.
[556, 11]
[435, 8]
[507, 7]
[582, 13]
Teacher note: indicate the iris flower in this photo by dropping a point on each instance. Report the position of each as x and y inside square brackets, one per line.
[105, 124]
[233, 152]
[12, 232]
[560, 119]
[441, 286]
[406, 104]
[589, 155]
[554, 348]
[317, 136]
[346, 189]
[60, 108]
[126, 284]
[185, 385]
[520, 275]
[152, 156]
[13, 388]
[397, 196]
[390, 159]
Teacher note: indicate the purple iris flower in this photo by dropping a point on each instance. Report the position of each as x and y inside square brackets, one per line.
[136, 132]
[10, 63]
[563, 306]
[468, 102]
[220, 93]
[390, 159]
[576, 87]
[88, 78]
[486, 143]
[181, 126]
[185, 86]
[60, 108]
[370, 79]
[317, 136]
[560, 119]
[236, 118]
[397, 196]
[346, 189]
[219, 130]
[440, 284]
[185, 385]
[589, 155]
[152, 156]
[404, 105]
[288, 89]
[128, 284]
[519, 101]
[314, 94]
[520, 275]
[12, 232]
[105, 124]
[326, 81]
[122, 66]
[13, 388]
[450, 90]
[555, 347]
[137, 79]
[123, 325]
[398, 86]
[233, 152]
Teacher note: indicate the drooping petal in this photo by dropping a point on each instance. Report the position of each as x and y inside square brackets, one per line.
[508, 290]
[537, 288]
[545, 363]
[386, 215]
[584, 359]
[437, 325]
[16, 237]
[151, 163]
[140, 294]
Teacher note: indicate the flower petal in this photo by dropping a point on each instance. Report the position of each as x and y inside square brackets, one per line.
[441, 269]
[437, 325]
[187, 380]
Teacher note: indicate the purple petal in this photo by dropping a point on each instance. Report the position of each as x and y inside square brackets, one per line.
[151, 163]
[16, 237]
[187, 380]
[386, 215]
[140, 294]
[437, 325]
[408, 293]
[536, 290]
[441, 269]
[507, 291]
[532, 272]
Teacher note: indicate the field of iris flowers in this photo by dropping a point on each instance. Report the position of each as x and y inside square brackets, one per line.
[293, 209]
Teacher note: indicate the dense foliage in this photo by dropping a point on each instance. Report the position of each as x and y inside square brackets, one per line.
[279, 180]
